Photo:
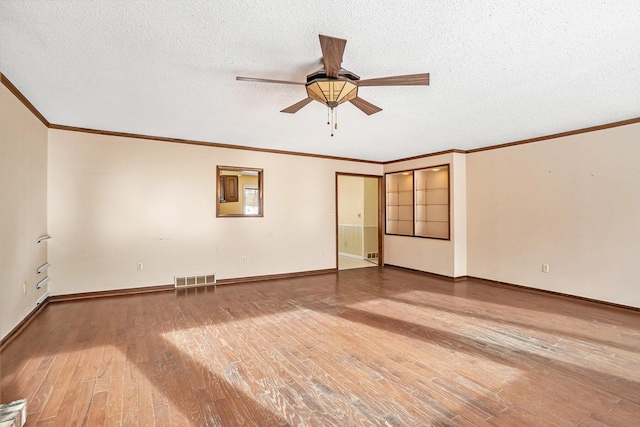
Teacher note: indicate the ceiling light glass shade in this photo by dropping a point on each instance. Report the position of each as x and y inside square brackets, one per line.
[331, 92]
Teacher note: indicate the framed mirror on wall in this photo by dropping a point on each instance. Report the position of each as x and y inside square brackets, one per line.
[239, 192]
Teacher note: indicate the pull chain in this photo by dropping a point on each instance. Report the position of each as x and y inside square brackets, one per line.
[332, 119]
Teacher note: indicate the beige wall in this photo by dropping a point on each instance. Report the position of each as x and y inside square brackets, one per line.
[351, 200]
[370, 203]
[370, 239]
[572, 203]
[114, 202]
[370, 235]
[23, 209]
[459, 217]
[580, 217]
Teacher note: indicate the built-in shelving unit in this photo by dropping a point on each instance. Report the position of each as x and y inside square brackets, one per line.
[418, 202]
[399, 203]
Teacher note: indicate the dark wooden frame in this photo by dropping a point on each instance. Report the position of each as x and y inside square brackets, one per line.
[381, 213]
[413, 197]
[260, 191]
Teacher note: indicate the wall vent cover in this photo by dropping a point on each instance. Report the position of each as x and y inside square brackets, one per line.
[372, 255]
[199, 280]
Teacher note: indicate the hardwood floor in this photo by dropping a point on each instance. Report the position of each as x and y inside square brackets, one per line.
[367, 347]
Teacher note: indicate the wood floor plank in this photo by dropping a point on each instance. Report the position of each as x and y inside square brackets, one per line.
[130, 390]
[61, 383]
[145, 396]
[49, 422]
[115, 398]
[97, 409]
[371, 347]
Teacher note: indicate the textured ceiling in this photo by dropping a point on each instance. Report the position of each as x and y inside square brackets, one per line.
[501, 71]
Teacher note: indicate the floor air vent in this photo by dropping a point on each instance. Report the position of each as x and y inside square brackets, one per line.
[188, 281]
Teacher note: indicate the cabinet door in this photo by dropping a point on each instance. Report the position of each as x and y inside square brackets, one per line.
[230, 185]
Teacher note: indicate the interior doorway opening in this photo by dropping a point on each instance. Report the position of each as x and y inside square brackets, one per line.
[359, 238]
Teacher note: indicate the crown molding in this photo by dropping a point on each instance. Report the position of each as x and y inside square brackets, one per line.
[422, 156]
[204, 143]
[16, 92]
[557, 135]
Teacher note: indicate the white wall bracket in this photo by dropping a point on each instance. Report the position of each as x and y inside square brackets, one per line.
[43, 238]
[43, 267]
[42, 282]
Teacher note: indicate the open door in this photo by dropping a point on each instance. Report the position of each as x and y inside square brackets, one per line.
[358, 214]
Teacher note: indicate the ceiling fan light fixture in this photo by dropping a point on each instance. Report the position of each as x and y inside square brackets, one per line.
[331, 92]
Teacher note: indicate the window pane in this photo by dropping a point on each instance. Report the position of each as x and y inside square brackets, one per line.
[251, 201]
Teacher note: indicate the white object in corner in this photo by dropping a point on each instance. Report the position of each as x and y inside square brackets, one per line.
[43, 267]
[43, 238]
[42, 282]
[42, 298]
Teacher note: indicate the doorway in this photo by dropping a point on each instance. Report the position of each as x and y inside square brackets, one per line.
[358, 213]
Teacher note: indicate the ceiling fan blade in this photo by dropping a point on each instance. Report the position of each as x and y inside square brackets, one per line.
[297, 106]
[332, 50]
[407, 80]
[366, 107]
[257, 80]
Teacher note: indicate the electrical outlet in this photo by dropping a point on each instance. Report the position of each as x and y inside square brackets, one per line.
[24, 288]
[140, 266]
[243, 259]
[545, 268]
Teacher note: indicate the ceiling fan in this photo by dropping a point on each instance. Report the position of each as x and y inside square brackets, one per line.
[332, 85]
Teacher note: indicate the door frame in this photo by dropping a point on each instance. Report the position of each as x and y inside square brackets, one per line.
[381, 212]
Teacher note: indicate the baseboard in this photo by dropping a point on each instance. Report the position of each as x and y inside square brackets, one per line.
[23, 324]
[426, 273]
[165, 288]
[513, 285]
[144, 290]
[251, 279]
[558, 294]
[111, 293]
